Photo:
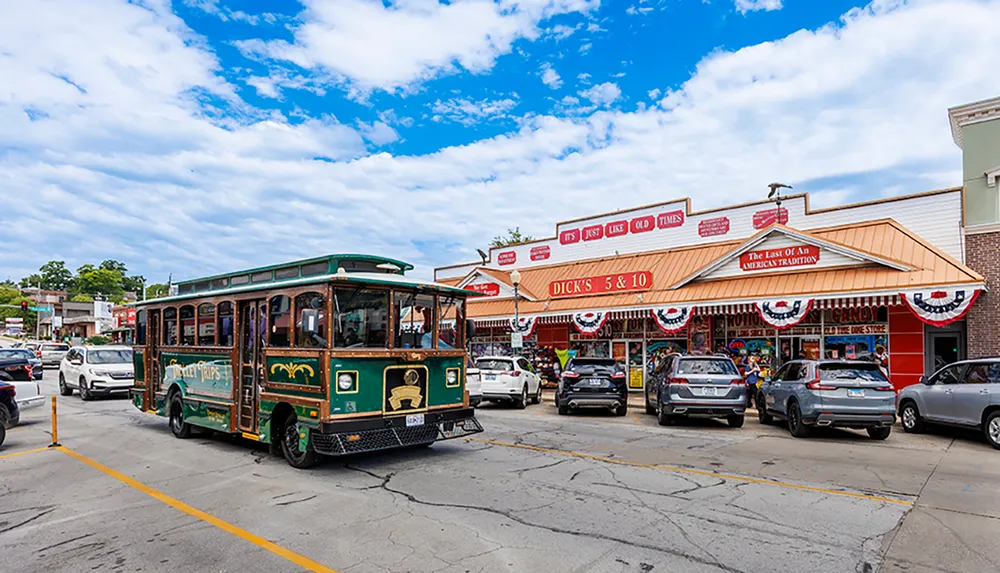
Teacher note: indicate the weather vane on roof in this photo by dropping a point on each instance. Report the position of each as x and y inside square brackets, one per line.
[776, 195]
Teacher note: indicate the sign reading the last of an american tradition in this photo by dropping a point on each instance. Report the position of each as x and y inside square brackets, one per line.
[796, 256]
[622, 282]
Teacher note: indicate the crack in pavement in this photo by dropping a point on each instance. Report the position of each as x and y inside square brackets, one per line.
[26, 521]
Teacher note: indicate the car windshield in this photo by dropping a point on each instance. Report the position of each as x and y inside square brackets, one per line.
[606, 362]
[707, 366]
[109, 357]
[15, 354]
[59, 347]
[866, 372]
[494, 364]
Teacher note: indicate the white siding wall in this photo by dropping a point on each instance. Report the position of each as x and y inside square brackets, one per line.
[936, 218]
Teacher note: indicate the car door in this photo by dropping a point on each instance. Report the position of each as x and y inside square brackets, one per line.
[663, 380]
[938, 397]
[69, 368]
[993, 388]
[530, 375]
[768, 387]
[972, 394]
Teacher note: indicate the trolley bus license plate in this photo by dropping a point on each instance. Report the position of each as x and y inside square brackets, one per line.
[414, 420]
[856, 393]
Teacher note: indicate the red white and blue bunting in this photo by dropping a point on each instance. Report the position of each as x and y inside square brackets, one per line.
[589, 322]
[941, 307]
[672, 319]
[525, 324]
[784, 313]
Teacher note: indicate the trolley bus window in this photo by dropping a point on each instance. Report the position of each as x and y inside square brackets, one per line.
[310, 324]
[169, 327]
[187, 325]
[140, 327]
[415, 315]
[452, 325]
[280, 316]
[225, 324]
[360, 318]
[206, 324]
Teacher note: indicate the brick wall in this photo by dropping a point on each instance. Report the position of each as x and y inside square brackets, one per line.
[982, 254]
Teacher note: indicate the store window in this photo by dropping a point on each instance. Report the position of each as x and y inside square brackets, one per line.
[187, 325]
[360, 318]
[415, 318]
[311, 323]
[206, 324]
[592, 348]
[280, 312]
[169, 327]
[225, 323]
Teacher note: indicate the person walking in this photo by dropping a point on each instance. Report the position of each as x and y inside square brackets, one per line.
[752, 377]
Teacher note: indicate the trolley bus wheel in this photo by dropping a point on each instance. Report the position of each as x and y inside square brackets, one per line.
[290, 446]
[178, 426]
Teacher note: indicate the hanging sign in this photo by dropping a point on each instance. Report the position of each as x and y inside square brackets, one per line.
[672, 319]
[589, 322]
[524, 325]
[622, 282]
[768, 217]
[540, 253]
[516, 340]
[941, 307]
[488, 289]
[784, 313]
[796, 256]
[713, 227]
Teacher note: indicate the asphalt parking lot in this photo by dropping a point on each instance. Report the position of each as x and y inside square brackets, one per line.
[535, 492]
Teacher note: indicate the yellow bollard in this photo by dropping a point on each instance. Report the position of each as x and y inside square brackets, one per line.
[55, 426]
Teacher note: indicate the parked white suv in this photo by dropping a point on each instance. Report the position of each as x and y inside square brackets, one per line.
[96, 370]
[473, 384]
[509, 379]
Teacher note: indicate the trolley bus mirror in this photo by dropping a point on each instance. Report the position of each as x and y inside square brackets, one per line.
[470, 330]
[310, 320]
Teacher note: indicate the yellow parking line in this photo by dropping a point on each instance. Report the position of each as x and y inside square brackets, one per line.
[303, 562]
[15, 454]
[694, 471]
[634, 417]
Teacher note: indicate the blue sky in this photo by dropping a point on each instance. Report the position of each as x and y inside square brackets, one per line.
[199, 136]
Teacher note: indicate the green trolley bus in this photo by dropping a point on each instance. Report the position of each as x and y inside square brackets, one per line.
[333, 355]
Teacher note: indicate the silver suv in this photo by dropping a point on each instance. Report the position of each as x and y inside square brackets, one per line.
[961, 394]
[696, 386]
[838, 393]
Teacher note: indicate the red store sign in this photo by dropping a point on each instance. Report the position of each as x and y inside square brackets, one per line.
[769, 217]
[616, 229]
[507, 258]
[569, 237]
[642, 224]
[713, 227]
[622, 282]
[488, 289]
[670, 220]
[796, 256]
[593, 233]
[540, 253]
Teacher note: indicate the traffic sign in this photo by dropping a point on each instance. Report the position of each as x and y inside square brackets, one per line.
[41, 308]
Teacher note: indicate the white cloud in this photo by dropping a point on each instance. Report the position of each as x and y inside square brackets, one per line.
[744, 6]
[584, 77]
[584, 48]
[653, 93]
[602, 94]
[374, 46]
[378, 132]
[550, 77]
[469, 112]
[561, 31]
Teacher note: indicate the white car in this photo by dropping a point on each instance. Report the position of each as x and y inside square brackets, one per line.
[96, 370]
[473, 385]
[28, 395]
[509, 379]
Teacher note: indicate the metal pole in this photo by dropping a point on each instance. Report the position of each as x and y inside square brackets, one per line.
[517, 322]
[55, 426]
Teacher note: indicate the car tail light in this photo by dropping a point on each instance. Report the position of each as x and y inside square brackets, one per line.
[678, 380]
[28, 368]
[886, 388]
[618, 375]
[817, 385]
[570, 375]
[38, 353]
[515, 373]
[738, 381]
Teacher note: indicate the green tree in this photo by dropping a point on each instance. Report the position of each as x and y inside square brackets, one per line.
[55, 275]
[82, 298]
[85, 269]
[513, 237]
[10, 296]
[157, 290]
[31, 281]
[134, 284]
[100, 282]
[111, 265]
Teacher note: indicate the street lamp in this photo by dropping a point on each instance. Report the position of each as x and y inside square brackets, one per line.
[515, 277]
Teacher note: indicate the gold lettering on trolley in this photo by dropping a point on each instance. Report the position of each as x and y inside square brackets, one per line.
[405, 393]
[292, 370]
[200, 370]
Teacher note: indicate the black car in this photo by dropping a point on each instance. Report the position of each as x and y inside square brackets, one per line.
[37, 369]
[592, 383]
[16, 363]
[9, 414]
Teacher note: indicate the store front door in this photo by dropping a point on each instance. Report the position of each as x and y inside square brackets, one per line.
[631, 355]
[943, 348]
[796, 347]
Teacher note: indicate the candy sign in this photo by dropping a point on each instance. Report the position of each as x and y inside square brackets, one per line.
[796, 256]
[507, 258]
[622, 282]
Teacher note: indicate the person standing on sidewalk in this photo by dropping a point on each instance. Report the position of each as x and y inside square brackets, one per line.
[752, 377]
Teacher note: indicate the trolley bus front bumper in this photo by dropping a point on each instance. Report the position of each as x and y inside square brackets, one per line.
[352, 437]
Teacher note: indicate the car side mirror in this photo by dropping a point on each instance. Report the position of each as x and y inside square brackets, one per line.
[925, 380]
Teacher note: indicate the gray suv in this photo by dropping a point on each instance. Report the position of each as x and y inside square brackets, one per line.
[701, 386]
[822, 393]
[961, 394]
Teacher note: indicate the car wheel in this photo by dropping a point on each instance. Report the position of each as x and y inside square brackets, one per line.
[537, 399]
[735, 421]
[992, 429]
[664, 419]
[178, 426]
[650, 409]
[762, 416]
[879, 433]
[795, 425]
[563, 408]
[63, 388]
[622, 409]
[3, 434]
[84, 392]
[522, 402]
[290, 446]
[910, 418]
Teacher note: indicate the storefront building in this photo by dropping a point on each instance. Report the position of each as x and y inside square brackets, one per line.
[883, 281]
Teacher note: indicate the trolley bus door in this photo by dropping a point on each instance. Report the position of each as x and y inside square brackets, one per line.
[153, 371]
[253, 314]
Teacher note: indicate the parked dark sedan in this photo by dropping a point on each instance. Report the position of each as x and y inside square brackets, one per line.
[592, 383]
[17, 364]
[37, 368]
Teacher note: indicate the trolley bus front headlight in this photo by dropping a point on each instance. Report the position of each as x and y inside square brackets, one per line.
[452, 377]
[345, 381]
